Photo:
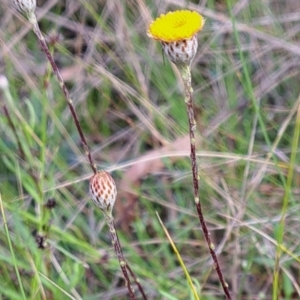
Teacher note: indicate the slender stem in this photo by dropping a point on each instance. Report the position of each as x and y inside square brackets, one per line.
[186, 76]
[12, 126]
[60, 80]
[109, 218]
[117, 246]
[137, 281]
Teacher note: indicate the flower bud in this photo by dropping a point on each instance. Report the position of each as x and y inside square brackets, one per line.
[25, 6]
[103, 191]
[181, 52]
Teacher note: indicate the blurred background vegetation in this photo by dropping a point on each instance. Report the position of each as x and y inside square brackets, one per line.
[129, 99]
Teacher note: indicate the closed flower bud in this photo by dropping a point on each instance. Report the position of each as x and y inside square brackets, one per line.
[103, 191]
[25, 6]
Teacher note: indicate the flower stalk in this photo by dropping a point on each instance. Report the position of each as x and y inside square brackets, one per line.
[177, 32]
[102, 186]
[103, 192]
[119, 253]
[137, 282]
[36, 29]
[186, 76]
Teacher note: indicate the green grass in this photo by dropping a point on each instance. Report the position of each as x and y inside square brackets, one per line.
[129, 100]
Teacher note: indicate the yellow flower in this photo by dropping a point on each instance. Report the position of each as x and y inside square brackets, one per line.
[175, 26]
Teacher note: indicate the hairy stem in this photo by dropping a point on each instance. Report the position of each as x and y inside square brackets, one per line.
[117, 246]
[56, 71]
[186, 76]
[137, 281]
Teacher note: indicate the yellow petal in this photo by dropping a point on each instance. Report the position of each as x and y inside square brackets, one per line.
[175, 26]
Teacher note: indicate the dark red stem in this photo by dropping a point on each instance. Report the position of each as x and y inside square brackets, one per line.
[60, 80]
[192, 127]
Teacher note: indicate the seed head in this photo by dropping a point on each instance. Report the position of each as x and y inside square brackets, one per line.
[103, 191]
[25, 6]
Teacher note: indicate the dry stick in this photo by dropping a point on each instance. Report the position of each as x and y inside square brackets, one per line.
[186, 76]
[117, 246]
[56, 71]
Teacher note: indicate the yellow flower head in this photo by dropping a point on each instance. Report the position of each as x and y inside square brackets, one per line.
[175, 26]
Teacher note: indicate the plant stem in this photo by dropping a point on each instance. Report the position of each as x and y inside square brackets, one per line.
[109, 218]
[186, 76]
[37, 31]
[137, 281]
[117, 246]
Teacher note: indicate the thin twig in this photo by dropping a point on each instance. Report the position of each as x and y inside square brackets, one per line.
[60, 80]
[186, 75]
[137, 281]
[117, 246]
